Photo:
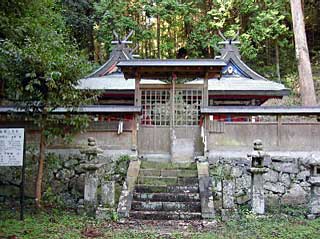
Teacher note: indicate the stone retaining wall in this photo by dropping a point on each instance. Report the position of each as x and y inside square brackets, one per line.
[63, 177]
[285, 183]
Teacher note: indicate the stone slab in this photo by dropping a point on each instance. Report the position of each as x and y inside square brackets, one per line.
[205, 189]
[108, 193]
[126, 196]
[228, 191]
[182, 150]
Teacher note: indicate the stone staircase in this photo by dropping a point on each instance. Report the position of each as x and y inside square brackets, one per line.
[166, 191]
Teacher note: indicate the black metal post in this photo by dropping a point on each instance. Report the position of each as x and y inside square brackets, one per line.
[23, 177]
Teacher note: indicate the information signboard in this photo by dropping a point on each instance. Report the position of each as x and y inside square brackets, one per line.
[11, 146]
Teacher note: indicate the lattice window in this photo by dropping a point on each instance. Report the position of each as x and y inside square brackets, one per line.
[156, 107]
[187, 107]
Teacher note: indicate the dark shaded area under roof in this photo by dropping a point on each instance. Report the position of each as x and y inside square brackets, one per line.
[165, 69]
[81, 110]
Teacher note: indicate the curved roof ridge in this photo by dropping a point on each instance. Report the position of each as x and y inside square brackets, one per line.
[231, 53]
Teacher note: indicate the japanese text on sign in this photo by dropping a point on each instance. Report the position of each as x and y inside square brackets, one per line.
[11, 146]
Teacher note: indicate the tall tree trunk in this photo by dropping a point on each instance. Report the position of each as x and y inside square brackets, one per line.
[307, 91]
[277, 61]
[158, 36]
[40, 168]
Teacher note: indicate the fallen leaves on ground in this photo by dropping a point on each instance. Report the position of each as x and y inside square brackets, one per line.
[92, 232]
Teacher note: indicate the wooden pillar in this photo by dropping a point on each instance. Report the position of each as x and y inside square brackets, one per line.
[137, 102]
[279, 123]
[137, 91]
[172, 114]
[205, 100]
[205, 103]
[134, 134]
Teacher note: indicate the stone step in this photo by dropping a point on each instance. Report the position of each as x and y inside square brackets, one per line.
[159, 166]
[168, 172]
[156, 215]
[194, 188]
[166, 206]
[166, 197]
[166, 181]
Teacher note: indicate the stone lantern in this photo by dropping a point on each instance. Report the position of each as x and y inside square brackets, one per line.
[257, 170]
[91, 178]
[314, 180]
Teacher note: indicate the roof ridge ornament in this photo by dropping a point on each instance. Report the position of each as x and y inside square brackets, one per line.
[118, 41]
[120, 51]
[230, 45]
[229, 41]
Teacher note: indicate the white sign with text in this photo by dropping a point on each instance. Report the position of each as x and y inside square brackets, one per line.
[11, 146]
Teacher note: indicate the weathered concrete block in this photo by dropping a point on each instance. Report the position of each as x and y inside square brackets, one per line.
[228, 190]
[182, 150]
[205, 189]
[257, 194]
[108, 193]
[90, 188]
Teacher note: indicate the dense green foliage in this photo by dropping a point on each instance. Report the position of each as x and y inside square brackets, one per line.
[39, 62]
[161, 28]
[58, 224]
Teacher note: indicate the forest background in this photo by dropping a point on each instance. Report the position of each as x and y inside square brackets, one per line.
[72, 37]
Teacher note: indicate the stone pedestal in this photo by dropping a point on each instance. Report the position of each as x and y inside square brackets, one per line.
[257, 170]
[91, 183]
[257, 190]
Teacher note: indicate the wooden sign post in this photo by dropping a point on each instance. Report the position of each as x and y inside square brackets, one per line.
[12, 154]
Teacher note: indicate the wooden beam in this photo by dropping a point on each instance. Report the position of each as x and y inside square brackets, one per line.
[169, 86]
